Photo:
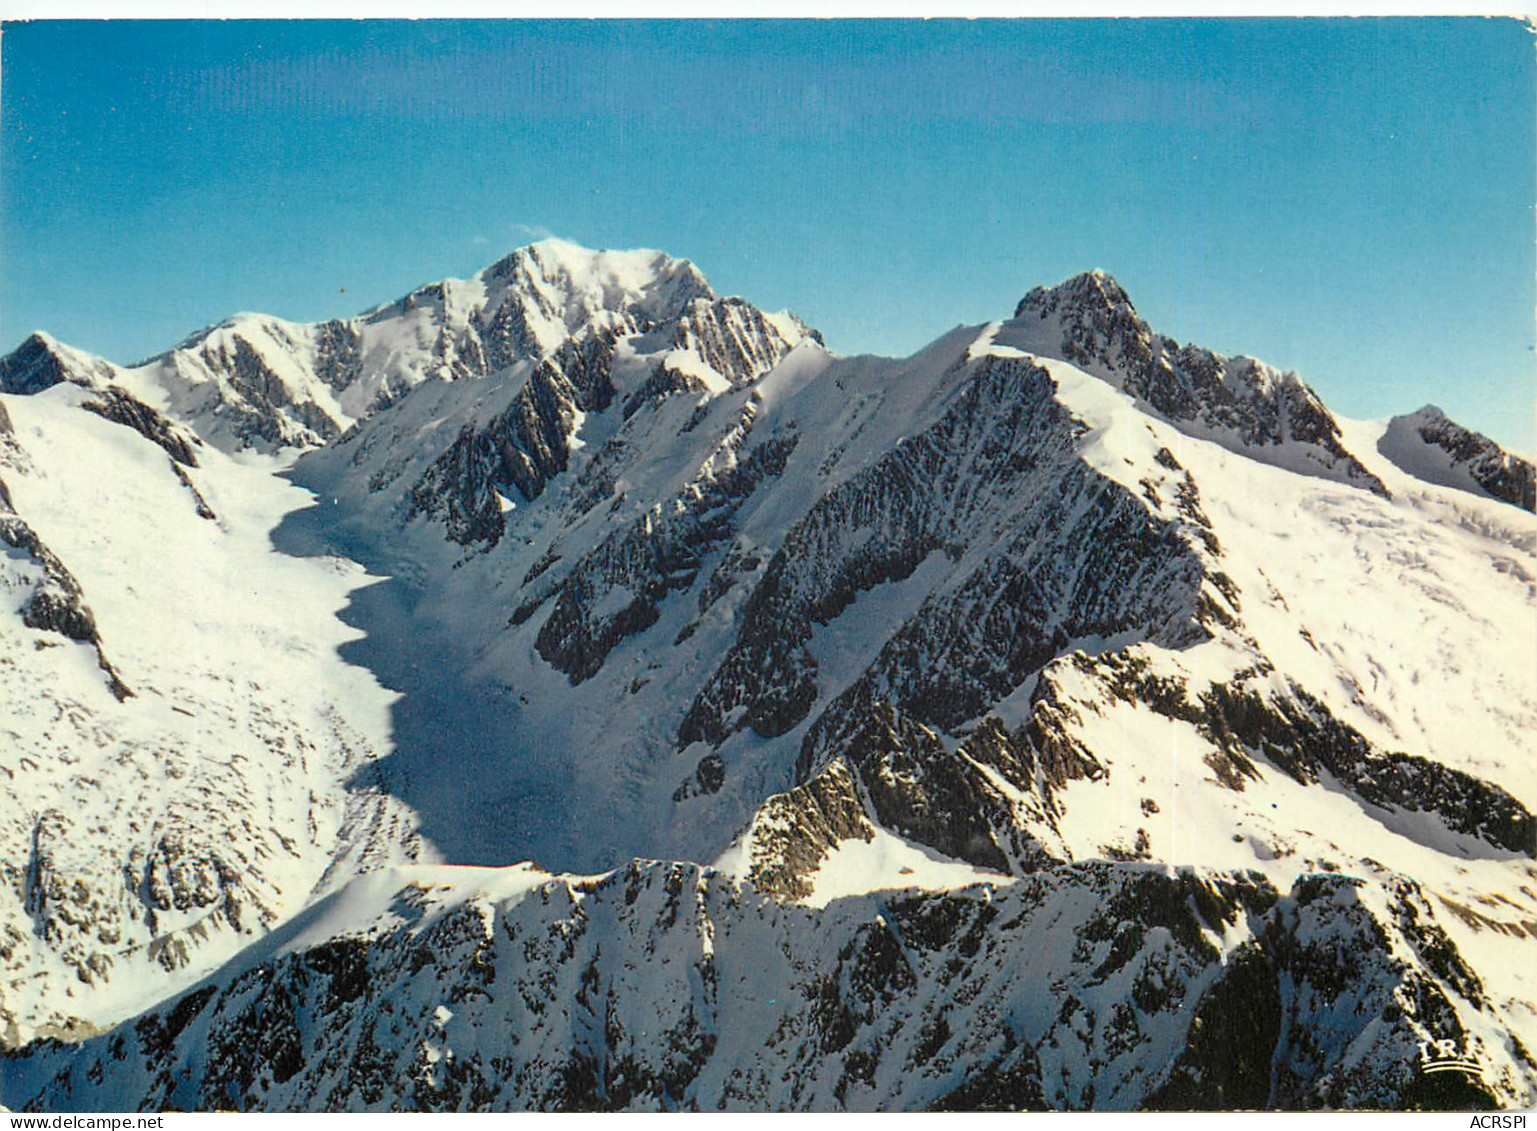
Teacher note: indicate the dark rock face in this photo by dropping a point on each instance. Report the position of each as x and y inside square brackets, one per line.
[795, 831]
[264, 410]
[203, 509]
[117, 406]
[665, 381]
[1100, 327]
[994, 452]
[1236, 400]
[659, 553]
[893, 772]
[661, 987]
[57, 603]
[37, 364]
[1506, 477]
[1233, 1037]
[31, 367]
[1302, 738]
[918, 792]
[506, 336]
[733, 337]
[338, 358]
[519, 451]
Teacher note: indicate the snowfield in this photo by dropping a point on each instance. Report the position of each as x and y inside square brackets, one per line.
[160, 834]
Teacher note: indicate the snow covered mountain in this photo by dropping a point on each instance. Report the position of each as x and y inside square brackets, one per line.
[256, 381]
[1022, 705]
[667, 986]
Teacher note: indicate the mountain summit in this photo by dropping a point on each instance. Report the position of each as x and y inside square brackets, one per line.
[258, 381]
[1059, 717]
[1238, 402]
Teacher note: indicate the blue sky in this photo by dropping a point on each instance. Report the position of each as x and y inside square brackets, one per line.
[1349, 198]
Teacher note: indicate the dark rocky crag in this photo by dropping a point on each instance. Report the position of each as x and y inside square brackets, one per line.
[1502, 474]
[40, 363]
[1090, 321]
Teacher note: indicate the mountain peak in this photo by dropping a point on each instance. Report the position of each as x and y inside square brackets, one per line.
[43, 361]
[581, 281]
[1431, 446]
[1241, 402]
[1094, 289]
[1094, 281]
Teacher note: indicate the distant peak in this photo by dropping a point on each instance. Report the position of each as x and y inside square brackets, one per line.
[40, 343]
[1094, 288]
[554, 256]
[581, 280]
[555, 250]
[1469, 455]
[42, 361]
[1092, 278]
[557, 245]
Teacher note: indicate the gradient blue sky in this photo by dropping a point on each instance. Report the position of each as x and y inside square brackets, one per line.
[1349, 198]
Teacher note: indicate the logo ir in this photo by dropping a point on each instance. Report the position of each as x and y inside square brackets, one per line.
[1447, 1056]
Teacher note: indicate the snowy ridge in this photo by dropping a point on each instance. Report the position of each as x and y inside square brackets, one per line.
[1240, 402]
[668, 987]
[263, 382]
[1428, 445]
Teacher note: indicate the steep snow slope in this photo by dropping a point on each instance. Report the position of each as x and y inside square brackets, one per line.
[150, 832]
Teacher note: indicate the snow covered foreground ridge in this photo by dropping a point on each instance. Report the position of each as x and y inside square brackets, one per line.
[663, 985]
[595, 564]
